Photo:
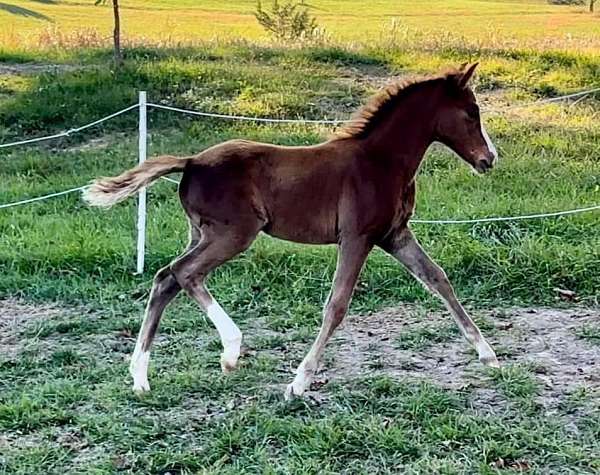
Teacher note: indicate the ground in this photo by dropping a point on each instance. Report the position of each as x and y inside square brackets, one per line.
[400, 392]
[550, 370]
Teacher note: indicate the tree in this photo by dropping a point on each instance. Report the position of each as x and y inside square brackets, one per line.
[592, 5]
[116, 31]
[288, 21]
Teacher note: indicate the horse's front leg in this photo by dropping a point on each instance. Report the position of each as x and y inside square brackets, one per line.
[404, 247]
[351, 256]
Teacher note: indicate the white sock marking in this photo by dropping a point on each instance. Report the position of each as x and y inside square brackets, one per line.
[300, 384]
[225, 326]
[488, 142]
[139, 369]
[231, 336]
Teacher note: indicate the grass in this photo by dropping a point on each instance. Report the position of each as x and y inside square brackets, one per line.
[65, 403]
[78, 416]
[166, 21]
[590, 333]
[490, 263]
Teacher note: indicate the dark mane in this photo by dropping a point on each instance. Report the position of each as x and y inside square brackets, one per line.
[365, 119]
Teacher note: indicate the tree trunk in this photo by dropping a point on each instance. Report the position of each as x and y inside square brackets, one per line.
[592, 5]
[117, 34]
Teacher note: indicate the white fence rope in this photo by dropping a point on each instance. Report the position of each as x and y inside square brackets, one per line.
[66, 133]
[581, 94]
[343, 121]
[44, 197]
[142, 149]
[504, 218]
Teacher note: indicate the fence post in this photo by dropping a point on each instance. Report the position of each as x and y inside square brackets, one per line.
[141, 217]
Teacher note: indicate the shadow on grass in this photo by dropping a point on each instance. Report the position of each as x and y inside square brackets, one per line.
[24, 12]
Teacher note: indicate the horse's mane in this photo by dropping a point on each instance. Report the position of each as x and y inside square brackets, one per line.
[380, 104]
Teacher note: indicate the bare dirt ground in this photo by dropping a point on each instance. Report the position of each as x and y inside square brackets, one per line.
[14, 315]
[409, 341]
[35, 68]
[544, 339]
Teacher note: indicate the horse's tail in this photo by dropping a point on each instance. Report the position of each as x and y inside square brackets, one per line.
[105, 192]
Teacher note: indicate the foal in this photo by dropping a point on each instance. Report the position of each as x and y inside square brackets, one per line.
[356, 190]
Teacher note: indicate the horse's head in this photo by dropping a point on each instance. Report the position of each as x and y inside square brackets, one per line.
[458, 124]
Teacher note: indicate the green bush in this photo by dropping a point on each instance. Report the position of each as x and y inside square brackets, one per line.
[566, 2]
[287, 22]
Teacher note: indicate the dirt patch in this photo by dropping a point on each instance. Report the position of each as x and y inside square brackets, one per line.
[34, 68]
[99, 143]
[406, 341]
[14, 316]
[543, 340]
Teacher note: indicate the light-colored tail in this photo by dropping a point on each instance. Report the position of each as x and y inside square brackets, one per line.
[105, 192]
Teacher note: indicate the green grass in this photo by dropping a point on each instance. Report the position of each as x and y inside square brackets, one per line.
[590, 333]
[196, 419]
[548, 163]
[65, 403]
[507, 22]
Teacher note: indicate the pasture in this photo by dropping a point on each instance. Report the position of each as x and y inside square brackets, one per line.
[401, 391]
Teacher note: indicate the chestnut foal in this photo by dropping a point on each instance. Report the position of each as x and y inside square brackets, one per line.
[356, 190]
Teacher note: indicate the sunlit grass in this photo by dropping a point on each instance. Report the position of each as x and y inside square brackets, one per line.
[487, 22]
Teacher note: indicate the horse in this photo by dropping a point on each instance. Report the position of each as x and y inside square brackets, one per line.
[356, 190]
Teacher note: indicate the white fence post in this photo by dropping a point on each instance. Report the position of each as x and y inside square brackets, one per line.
[141, 218]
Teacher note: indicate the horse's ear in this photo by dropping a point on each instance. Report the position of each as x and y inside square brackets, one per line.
[466, 75]
[463, 66]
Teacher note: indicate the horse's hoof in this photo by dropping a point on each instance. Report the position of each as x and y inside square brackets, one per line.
[291, 392]
[231, 355]
[228, 365]
[140, 387]
[490, 361]
[294, 390]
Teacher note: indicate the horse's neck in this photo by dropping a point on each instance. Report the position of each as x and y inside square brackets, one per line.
[404, 136]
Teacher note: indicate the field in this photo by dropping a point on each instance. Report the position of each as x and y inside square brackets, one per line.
[348, 20]
[400, 392]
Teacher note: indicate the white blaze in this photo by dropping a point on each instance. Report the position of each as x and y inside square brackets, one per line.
[488, 142]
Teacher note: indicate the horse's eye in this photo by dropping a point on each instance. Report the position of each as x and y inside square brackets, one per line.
[473, 112]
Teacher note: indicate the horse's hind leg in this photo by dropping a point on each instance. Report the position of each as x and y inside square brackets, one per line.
[164, 289]
[407, 250]
[219, 244]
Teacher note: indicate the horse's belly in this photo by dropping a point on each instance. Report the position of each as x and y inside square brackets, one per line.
[303, 229]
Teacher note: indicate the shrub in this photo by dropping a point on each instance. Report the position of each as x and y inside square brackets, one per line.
[566, 2]
[288, 21]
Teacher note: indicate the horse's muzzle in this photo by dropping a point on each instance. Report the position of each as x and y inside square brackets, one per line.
[485, 163]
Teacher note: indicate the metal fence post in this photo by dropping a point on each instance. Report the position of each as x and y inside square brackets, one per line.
[141, 217]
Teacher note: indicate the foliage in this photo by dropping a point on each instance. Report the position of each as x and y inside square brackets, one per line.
[287, 22]
[567, 2]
